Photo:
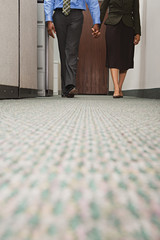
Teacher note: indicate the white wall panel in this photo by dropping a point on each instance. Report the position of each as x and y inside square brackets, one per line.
[41, 83]
[41, 60]
[41, 37]
[152, 45]
[56, 64]
[146, 73]
[136, 78]
[50, 63]
[40, 15]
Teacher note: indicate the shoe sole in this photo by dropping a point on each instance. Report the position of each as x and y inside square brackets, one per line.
[116, 97]
[70, 96]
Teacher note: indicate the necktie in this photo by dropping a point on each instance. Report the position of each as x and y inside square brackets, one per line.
[66, 7]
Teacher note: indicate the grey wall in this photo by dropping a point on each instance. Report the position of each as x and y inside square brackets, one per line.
[28, 44]
[18, 46]
[9, 43]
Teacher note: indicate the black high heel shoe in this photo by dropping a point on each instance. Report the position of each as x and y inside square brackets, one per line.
[116, 96]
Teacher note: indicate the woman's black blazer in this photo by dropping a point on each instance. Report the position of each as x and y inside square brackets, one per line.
[127, 10]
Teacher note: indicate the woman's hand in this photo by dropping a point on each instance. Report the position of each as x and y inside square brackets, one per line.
[95, 31]
[136, 39]
[51, 29]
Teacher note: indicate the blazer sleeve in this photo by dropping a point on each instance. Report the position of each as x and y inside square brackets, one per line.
[103, 9]
[136, 16]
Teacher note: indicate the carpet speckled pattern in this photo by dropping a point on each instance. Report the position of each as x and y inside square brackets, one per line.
[80, 169]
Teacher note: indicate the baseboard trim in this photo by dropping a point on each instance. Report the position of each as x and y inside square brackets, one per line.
[28, 93]
[59, 92]
[8, 92]
[49, 93]
[153, 93]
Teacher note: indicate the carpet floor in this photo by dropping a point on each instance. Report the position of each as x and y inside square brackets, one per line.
[86, 168]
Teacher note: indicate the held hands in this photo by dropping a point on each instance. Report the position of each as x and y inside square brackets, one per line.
[95, 31]
[51, 29]
[136, 39]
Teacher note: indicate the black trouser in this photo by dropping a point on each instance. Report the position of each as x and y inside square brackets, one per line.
[68, 29]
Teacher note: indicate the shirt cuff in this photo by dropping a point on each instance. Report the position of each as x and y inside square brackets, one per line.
[48, 18]
[96, 21]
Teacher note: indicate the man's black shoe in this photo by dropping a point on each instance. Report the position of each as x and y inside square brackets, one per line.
[71, 93]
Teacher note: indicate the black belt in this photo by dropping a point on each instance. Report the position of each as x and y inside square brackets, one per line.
[72, 9]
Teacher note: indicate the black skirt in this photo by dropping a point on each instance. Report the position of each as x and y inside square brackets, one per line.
[119, 46]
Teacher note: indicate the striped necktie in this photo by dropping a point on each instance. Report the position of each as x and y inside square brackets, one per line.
[66, 7]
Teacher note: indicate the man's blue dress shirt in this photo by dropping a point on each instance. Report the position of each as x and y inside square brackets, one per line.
[51, 5]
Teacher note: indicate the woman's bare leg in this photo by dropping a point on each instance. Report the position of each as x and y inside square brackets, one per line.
[115, 75]
[122, 75]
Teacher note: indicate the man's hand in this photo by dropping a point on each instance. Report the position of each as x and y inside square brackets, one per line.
[95, 31]
[136, 39]
[51, 29]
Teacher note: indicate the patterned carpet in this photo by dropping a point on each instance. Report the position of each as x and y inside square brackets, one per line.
[80, 169]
